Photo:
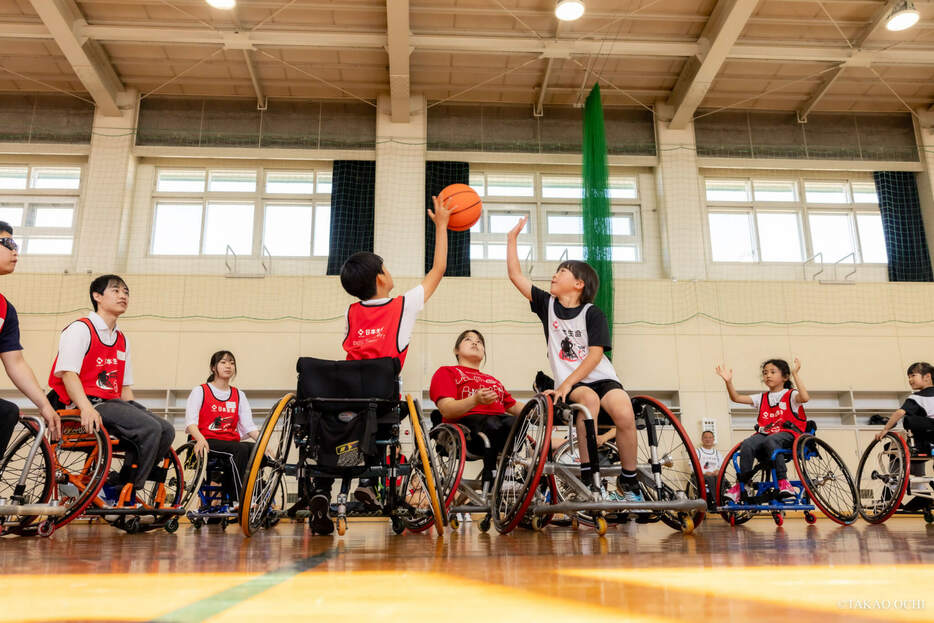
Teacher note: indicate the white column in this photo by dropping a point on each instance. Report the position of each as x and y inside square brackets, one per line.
[680, 205]
[400, 188]
[926, 177]
[108, 183]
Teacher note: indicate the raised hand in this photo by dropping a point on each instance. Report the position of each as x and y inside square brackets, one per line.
[441, 214]
[514, 232]
[725, 373]
[797, 366]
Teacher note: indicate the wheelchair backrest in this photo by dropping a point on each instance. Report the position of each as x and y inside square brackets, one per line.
[320, 379]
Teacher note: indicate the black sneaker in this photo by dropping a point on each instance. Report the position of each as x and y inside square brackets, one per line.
[319, 521]
[367, 497]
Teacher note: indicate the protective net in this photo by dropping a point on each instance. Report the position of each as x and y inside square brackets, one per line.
[595, 203]
[905, 242]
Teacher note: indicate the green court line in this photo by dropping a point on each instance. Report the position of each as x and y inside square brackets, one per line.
[204, 609]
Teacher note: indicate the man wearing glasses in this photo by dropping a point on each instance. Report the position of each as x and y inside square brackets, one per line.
[11, 353]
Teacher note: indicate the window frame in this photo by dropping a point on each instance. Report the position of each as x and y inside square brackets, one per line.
[30, 196]
[259, 198]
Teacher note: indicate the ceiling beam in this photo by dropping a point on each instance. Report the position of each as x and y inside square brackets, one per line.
[250, 62]
[86, 56]
[399, 49]
[723, 28]
[874, 24]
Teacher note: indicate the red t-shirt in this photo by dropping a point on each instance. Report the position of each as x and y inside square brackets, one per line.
[458, 382]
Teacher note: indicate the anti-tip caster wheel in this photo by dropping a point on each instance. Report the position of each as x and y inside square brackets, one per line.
[778, 518]
[398, 526]
[131, 525]
[454, 523]
[485, 524]
[687, 526]
[44, 529]
[537, 523]
[599, 525]
[171, 525]
[810, 518]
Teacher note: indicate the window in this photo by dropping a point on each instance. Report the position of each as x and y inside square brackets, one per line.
[248, 211]
[555, 229]
[39, 202]
[766, 220]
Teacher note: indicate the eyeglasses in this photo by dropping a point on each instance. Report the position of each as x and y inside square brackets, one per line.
[9, 243]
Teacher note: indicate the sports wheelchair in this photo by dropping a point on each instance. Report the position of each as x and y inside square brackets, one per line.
[344, 423]
[214, 481]
[890, 469]
[824, 483]
[93, 475]
[27, 482]
[668, 471]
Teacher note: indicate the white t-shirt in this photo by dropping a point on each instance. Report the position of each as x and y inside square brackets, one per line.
[710, 460]
[245, 422]
[774, 397]
[414, 303]
[76, 339]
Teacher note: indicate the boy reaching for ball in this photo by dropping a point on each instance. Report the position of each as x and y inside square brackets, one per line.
[380, 326]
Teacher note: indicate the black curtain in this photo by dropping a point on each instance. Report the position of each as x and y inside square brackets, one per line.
[353, 199]
[905, 242]
[437, 176]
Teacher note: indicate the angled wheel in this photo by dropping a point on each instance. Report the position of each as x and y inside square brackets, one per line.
[447, 444]
[521, 463]
[192, 471]
[681, 476]
[82, 461]
[38, 482]
[882, 478]
[173, 490]
[726, 478]
[426, 466]
[567, 454]
[826, 479]
[267, 465]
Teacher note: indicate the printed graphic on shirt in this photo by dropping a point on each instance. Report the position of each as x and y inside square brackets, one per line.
[107, 379]
[470, 384]
[571, 350]
[225, 416]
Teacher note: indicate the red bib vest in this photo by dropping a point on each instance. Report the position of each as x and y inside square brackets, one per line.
[373, 331]
[772, 419]
[218, 419]
[101, 371]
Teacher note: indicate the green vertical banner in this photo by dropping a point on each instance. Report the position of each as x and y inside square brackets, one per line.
[596, 203]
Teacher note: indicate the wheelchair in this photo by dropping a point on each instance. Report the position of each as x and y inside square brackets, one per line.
[889, 470]
[28, 504]
[93, 472]
[343, 422]
[824, 483]
[535, 482]
[215, 481]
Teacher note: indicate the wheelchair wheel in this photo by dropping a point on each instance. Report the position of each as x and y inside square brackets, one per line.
[173, 487]
[681, 476]
[726, 478]
[267, 466]
[521, 463]
[192, 471]
[451, 449]
[39, 478]
[278, 506]
[423, 491]
[82, 462]
[882, 478]
[826, 479]
[566, 454]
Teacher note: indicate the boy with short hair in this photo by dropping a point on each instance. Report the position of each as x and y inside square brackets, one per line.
[918, 412]
[11, 354]
[92, 371]
[379, 326]
[577, 336]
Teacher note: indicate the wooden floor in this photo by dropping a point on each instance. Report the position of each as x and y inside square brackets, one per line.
[755, 572]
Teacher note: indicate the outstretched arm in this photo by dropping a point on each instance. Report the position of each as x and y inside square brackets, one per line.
[513, 267]
[439, 216]
[727, 376]
[25, 380]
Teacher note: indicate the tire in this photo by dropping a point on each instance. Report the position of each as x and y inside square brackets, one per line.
[426, 465]
[882, 478]
[521, 463]
[564, 492]
[726, 478]
[826, 479]
[681, 473]
[82, 462]
[448, 445]
[193, 465]
[265, 473]
[39, 479]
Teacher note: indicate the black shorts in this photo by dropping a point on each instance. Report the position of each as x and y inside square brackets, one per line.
[602, 387]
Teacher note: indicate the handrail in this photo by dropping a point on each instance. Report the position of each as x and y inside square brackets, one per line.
[227, 253]
[528, 261]
[267, 268]
[852, 272]
[804, 265]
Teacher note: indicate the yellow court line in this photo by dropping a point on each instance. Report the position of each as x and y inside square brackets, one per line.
[136, 597]
[400, 596]
[891, 592]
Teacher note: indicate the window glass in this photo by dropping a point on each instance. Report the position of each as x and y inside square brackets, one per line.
[731, 237]
[178, 181]
[727, 190]
[287, 229]
[825, 192]
[228, 224]
[831, 236]
[779, 237]
[290, 182]
[871, 237]
[177, 229]
[769, 190]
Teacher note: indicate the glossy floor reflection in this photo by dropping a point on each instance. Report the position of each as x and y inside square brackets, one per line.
[755, 572]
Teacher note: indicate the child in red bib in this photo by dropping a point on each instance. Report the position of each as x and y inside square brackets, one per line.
[218, 415]
[781, 418]
[379, 326]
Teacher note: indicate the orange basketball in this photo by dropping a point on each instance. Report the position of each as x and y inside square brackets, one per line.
[464, 204]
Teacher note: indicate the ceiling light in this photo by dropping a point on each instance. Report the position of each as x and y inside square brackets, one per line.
[222, 4]
[903, 16]
[569, 10]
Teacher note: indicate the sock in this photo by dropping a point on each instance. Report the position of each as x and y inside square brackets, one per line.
[586, 475]
[628, 481]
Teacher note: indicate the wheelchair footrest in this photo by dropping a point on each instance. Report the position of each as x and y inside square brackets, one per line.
[140, 512]
[212, 515]
[648, 506]
[764, 508]
[32, 509]
[468, 508]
